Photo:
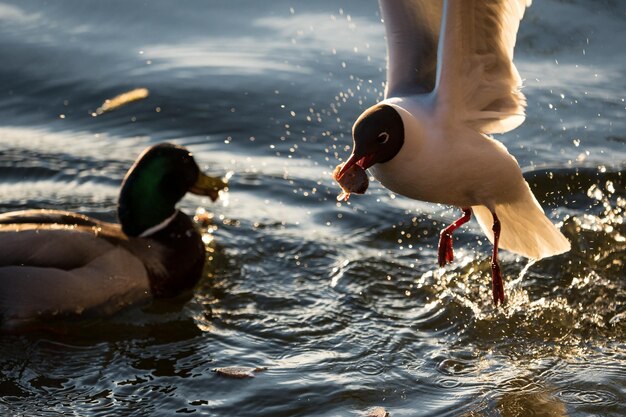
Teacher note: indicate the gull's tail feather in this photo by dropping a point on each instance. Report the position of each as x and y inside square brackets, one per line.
[525, 229]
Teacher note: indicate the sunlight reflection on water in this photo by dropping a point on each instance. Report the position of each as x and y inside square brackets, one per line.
[343, 302]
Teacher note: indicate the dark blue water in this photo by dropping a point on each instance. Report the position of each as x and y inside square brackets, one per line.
[343, 303]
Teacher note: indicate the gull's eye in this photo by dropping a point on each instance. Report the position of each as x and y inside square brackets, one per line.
[383, 138]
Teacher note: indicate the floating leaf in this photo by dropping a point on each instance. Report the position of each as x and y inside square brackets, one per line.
[238, 371]
[122, 99]
[377, 412]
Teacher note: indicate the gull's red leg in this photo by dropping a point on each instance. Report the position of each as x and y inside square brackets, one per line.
[496, 276]
[445, 253]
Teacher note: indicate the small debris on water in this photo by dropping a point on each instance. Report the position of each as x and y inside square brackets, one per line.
[377, 412]
[238, 371]
[121, 100]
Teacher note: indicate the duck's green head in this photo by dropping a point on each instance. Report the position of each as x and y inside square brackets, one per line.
[159, 178]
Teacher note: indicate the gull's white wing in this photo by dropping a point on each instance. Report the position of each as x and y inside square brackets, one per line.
[476, 79]
[412, 28]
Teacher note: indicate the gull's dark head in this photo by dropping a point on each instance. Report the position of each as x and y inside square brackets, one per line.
[378, 136]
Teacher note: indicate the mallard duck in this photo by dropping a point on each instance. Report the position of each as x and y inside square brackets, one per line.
[59, 263]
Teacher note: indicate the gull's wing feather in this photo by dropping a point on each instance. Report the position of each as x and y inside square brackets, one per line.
[412, 28]
[476, 79]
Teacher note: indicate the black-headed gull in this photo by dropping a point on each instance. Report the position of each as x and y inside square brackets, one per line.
[450, 83]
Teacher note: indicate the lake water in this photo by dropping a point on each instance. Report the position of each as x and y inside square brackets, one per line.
[342, 303]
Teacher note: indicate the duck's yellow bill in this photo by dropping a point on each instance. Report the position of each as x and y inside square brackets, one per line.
[209, 186]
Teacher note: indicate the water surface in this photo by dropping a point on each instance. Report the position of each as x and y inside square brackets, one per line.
[342, 302]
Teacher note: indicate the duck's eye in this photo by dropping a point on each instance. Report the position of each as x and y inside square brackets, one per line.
[383, 138]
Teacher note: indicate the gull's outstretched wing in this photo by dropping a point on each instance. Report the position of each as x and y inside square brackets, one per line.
[476, 79]
[412, 28]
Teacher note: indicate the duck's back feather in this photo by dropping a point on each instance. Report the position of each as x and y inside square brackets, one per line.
[47, 217]
[61, 269]
[105, 285]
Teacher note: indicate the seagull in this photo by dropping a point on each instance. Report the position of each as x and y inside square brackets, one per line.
[451, 84]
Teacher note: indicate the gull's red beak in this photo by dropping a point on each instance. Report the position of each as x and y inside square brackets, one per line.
[364, 161]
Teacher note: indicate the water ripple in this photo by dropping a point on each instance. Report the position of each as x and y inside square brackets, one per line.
[342, 302]
[448, 383]
[596, 397]
[453, 367]
[370, 366]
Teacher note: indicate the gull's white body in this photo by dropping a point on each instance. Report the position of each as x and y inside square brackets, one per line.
[435, 166]
[447, 156]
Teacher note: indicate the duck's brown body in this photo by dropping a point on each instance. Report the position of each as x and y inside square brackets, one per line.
[56, 263]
